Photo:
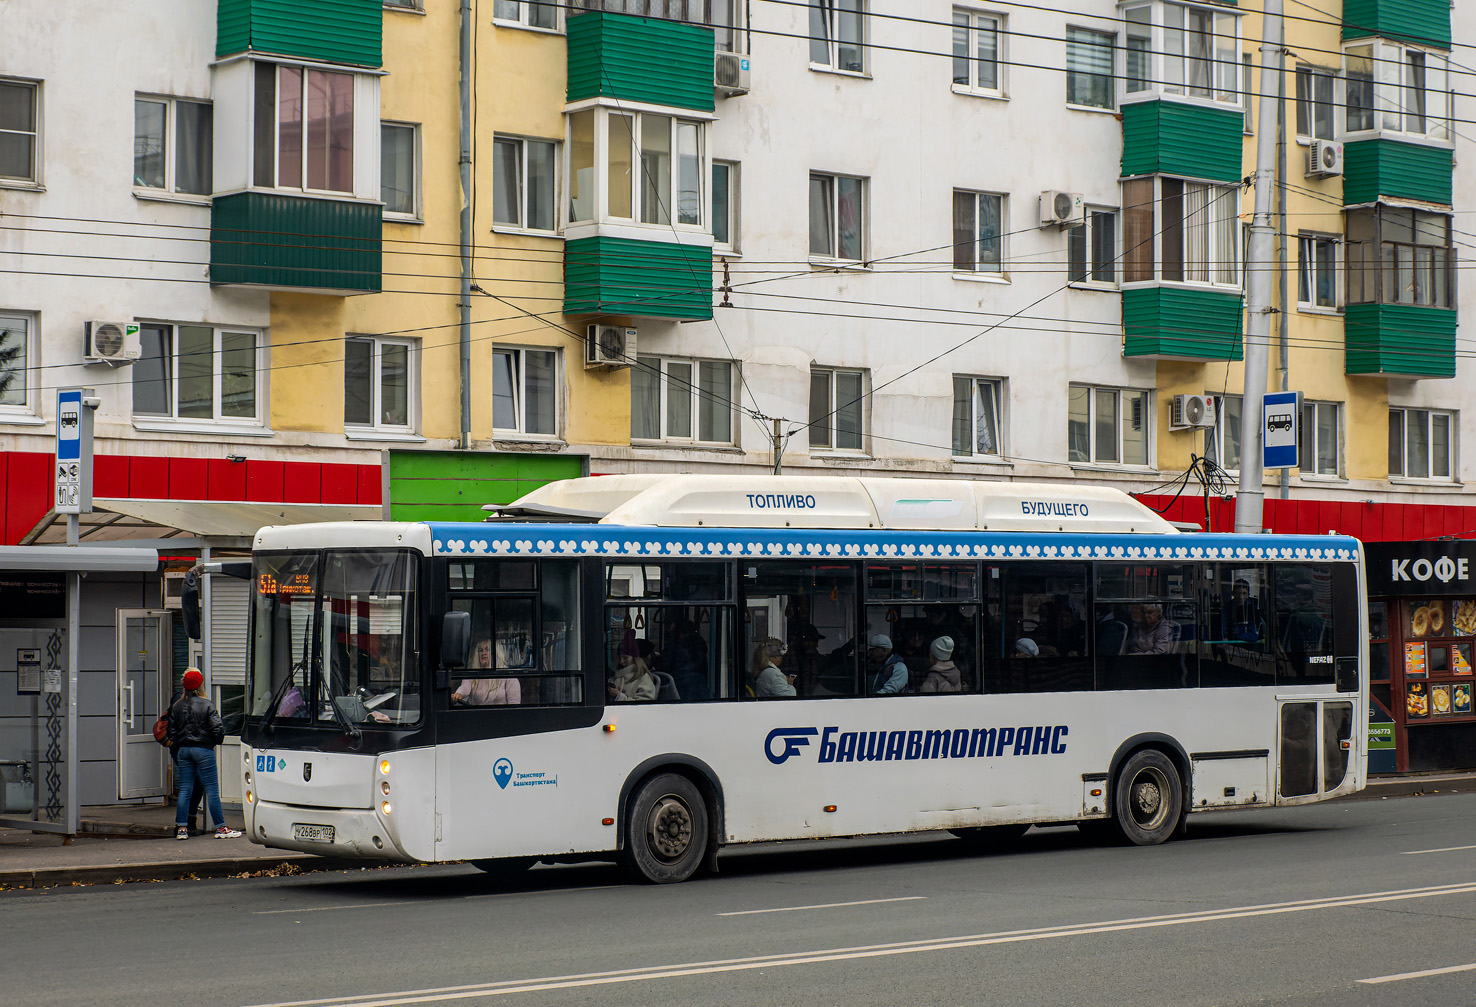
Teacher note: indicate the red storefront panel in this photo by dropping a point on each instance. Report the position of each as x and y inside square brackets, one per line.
[187, 479]
[28, 485]
[225, 480]
[264, 481]
[341, 483]
[302, 482]
[109, 477]
[370, 488]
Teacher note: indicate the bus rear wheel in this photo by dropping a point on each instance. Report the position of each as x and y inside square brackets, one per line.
[666, 831]
[1148, 800]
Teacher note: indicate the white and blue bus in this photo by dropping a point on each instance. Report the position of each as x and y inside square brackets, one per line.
[651, 668]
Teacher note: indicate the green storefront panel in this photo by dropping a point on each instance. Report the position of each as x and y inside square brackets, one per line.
[276, 240]
[1426, 21]
[624, 276]
[640, 59]
[334, 31]
[1174, 138]
[1182, 324]
[453, 486]
[1400, 339]
[1375, 168]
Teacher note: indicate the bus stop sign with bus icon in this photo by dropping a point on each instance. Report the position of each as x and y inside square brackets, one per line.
[1281, 415]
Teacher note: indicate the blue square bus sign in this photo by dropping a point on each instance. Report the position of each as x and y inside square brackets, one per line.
[1281, 414]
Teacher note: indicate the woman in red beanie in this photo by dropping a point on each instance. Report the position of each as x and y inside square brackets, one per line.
[195, 729]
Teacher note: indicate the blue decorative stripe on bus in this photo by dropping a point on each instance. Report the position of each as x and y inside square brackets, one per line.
[604, 540]
[907, 746]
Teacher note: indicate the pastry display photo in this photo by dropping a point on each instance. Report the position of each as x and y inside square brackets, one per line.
[1416, 700]
[1440, 699]
[1465, 618]
[1419, 621]
[1460, 697]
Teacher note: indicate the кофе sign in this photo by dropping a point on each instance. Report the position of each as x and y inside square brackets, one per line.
[1420, 568]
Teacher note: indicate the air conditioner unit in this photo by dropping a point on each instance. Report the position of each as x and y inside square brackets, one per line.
[1324, 159]
[1061, 208]
[1187, 412]
[730, 73]
[112, 343]
[609, 346]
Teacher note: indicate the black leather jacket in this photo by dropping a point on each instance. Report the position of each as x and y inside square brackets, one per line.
[194, 723]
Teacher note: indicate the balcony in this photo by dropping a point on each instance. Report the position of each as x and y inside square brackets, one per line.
[296, 242]
[1421, 21]
[1169, 137]
[333, 31]
[640, 59]
[1179, 323]
[625, 276]
[1389, 168]
[1400, 340]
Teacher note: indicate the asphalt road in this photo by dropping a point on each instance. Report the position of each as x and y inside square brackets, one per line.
[1358, 903]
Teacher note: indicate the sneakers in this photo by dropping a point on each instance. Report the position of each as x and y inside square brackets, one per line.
[181, 832]
[226, 832]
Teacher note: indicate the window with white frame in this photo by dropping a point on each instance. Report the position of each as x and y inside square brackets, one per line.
[1222, 443]
[685, 400]
[1317, 275]
[1398, 255]
[1397, 88]
[838, 35]
[1107, 426]
[977, 62]
[304, 128]
[20, 131]
[525, 392]
[172, 145]
[1089, 68]
[725, 205]
[1315, 102]
[1319, 450]
[197, 372]
[1199, 56]
[978, 405]
[1248, 96]
[837, 409]
[378, 384]
[525, 183]
[837, 217]
[640, 167]
[17, 386]
[1180, 231]
[1421, 443]
[723, 16]
[399, 169]
[1091, 249]
[528, 13]
[978, 231]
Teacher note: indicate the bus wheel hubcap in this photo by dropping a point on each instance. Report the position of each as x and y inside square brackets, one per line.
[670, 828]
[1147, 796]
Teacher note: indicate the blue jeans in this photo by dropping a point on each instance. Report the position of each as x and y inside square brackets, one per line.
[197, 764]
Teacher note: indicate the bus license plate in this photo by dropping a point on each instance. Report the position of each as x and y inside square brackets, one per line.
[313, 833]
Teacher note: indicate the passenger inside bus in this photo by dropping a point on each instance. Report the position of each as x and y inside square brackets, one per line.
[769, 681]
[487, 691]
[1151, 633]
[632, 681]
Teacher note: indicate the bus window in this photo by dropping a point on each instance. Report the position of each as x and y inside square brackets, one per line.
[912, 631]
[668, 653]
[1235, 636]
[1150, 608]
[1035, 638]
[811, 612]
[1303, 624]
[370, 646]
[525, 643]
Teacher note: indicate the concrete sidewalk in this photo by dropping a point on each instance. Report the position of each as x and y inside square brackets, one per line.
[136, 843]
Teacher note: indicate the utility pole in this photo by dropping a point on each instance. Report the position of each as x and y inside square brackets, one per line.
[778, 448]
[1258, 287]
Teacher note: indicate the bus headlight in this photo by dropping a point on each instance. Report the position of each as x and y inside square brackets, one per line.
[384, 787]
[385, 807]
[249, 798]
[384, 766]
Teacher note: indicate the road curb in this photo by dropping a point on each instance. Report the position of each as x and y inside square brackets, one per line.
[51, 877]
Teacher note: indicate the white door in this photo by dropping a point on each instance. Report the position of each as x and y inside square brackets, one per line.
[143, 649]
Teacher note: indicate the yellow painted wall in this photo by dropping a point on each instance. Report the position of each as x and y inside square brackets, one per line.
[306, 363]
[1315, 358]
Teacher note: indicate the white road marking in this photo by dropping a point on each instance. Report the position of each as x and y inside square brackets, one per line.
[1419, 975]
[1443, 849]
[823, 905]
[471, 991]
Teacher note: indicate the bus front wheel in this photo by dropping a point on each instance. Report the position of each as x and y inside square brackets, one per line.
[1149, 798]
[666, 836]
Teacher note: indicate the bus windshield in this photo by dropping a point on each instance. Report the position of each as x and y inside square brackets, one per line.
[336, 639]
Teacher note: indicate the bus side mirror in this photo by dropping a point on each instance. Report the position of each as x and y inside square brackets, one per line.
[455, 645]
[189, 603]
